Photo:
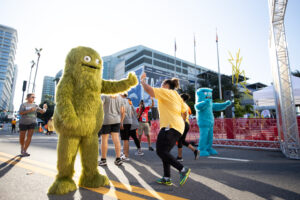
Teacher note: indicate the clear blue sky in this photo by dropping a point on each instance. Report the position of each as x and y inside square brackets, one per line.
[110, 26]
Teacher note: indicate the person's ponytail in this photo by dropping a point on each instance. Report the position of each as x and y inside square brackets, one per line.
[173, 83]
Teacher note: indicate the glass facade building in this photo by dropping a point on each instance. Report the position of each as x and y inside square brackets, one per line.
[157, 65]
[8, 45]
[48, 88]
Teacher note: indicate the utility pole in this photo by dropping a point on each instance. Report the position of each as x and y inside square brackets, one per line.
[38, 52]
[33, 63]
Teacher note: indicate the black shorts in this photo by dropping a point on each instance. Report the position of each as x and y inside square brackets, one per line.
[25, 127]
[125, 133]
[107, 129]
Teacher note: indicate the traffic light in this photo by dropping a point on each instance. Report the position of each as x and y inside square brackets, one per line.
[24, 86]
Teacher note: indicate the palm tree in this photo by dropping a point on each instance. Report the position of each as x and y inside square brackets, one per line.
[296, 73]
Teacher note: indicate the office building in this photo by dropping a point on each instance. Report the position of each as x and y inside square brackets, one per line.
[8, 46]
[157, 65]
[48, 89]
[15, 76]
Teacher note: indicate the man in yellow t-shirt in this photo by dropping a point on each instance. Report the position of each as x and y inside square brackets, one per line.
[170, 108]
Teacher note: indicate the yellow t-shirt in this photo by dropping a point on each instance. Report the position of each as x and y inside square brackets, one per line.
[170, 107]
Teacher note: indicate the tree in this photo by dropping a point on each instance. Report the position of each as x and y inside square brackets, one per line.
[190, 90]
[49, 113]
[296, 73]
[211, 80]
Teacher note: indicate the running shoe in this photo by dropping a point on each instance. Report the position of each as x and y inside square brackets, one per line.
[139, 153]
[118, 162]
[184, 175]
[25, 154]
[164, 181]
[102, 162]
[151, 149]
[196, 154]
[124, 158]
[179, 159]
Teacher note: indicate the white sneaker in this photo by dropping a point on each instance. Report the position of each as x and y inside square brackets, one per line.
[125, 158]
[122, 156]
[139, 153]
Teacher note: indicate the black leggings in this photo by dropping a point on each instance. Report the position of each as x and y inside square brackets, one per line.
[132, 133]
[181, 140]
[166, 140]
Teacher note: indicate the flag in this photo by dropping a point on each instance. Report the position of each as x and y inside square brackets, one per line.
[175, 46]
[216, 37]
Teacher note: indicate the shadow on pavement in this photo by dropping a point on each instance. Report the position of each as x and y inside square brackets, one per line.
[69, 196]
[6, 166]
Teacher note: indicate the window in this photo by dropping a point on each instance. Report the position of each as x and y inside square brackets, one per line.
[140, 54]
[140, 61]
[166, 59]
[163, 65]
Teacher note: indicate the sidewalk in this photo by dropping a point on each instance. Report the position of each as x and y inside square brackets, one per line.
[6, 130]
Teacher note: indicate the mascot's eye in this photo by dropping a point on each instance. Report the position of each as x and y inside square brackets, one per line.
[97, 61]
[205, 93]
[87, 59]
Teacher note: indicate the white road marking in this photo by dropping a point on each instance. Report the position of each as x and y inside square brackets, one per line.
[233, 159]
[229, 192]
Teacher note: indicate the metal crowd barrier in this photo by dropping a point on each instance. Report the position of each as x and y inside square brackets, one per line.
[230, 132]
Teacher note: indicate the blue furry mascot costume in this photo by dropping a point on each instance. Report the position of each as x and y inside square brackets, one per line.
[78, 117]
[205, 119]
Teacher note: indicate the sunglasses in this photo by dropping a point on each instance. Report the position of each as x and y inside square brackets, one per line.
[32, 97]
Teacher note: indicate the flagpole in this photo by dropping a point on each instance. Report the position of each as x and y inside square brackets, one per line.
[195, 62]
[219, 75]
[175, 49]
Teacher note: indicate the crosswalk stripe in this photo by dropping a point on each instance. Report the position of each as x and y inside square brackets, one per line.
[15, 160]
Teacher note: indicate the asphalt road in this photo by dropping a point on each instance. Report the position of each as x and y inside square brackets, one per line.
[233, 174]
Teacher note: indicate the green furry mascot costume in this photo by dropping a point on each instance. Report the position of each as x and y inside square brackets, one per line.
[78, 117]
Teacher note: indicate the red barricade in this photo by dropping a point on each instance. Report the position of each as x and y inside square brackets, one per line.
[252, 132]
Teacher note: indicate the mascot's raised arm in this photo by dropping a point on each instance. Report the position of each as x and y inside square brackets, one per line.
[78, 117]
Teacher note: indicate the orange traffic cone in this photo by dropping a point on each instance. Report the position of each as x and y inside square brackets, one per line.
[40, 128]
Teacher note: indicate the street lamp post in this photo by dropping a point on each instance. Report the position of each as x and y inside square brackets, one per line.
[38, 52]
[33, 63]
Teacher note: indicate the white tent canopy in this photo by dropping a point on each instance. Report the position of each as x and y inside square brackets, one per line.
[265, 97]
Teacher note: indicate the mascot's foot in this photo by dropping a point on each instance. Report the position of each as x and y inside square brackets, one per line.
[62, 186]
[204, 153]
[93, 181]
[212, 151]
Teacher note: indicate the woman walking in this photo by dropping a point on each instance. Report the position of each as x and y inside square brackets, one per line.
[171, 108]
[50, 126]
[27, 121]
[133, 130]
[182, 140]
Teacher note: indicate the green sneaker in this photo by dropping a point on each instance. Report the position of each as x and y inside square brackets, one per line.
[184, 176]
[164, 181]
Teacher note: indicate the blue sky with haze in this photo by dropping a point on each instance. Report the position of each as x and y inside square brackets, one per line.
[111, 26]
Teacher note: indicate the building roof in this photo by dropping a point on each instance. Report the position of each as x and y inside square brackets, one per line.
[256, 86]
